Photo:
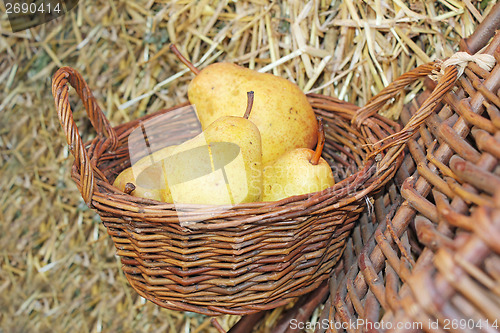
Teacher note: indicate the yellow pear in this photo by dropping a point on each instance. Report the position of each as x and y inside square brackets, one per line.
[281, 111]
[145, 179]
[298, 171]
[222, 165]
[150, 183]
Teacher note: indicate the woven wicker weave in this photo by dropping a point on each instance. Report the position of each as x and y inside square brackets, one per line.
[433, 264]
[250, 257]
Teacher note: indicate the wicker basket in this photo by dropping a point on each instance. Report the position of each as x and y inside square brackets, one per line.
[250, 257]
[433, 264]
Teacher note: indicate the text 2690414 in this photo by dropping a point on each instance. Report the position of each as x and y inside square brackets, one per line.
[32, 8]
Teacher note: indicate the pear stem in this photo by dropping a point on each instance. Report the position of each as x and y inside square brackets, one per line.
[129, 188]
[249, 104]
[321, 143]
[183, 59]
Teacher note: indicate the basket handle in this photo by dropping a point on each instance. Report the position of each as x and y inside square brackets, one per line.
[394, 144]
[60, 91]
[389, 92]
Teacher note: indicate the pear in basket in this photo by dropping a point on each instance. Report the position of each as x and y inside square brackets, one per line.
[148, 185]
[221, 165]
[145, 179]
[281, 111]
[298, 171]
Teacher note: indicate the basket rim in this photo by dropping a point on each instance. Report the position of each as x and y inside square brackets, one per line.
[348, 191]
